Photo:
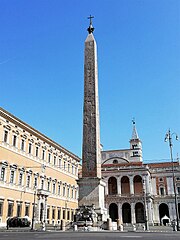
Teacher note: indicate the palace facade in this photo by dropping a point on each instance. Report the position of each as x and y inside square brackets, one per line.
[137, 192]
[37, 175]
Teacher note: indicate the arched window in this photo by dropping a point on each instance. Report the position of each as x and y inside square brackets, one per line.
[115, 161]
[125, 187]
[112, 186]
[138, 187]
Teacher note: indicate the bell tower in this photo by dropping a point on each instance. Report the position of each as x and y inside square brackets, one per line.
[135, 145]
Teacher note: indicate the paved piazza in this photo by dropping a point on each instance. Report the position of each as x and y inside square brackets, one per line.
[89, 235]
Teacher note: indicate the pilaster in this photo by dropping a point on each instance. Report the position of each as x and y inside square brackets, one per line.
[131, 185]
[133, 216]
[119, 185]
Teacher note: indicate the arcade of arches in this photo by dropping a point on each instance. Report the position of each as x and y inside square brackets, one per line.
[128, 211]
[125, 185]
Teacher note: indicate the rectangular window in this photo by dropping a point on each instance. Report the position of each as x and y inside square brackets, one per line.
[135, 154]
[72, 216]
[59, 163]
[72, 193]
[43, 154]
[64, 165]
[42, 184]
[48, 186]
[27, 211]
[59, 189]
[72, 169]
[28, 181]
[30, 148]
[53, 213]
[5, 136]
[14, 140]
[35, 182]
[47, 213]
[68, 192]
[1, 208]
[68, 167]
[162, 191]
[49, 157]
[20, 178]
[54, 160]
[64, 190]
[2, 173]
[54, 188]
[10, 209]
[68, 215]
[64, 214]
[12, 176]
[19, 207]
[37, 151]
[178, 190]
[22, 144]
[59, 214]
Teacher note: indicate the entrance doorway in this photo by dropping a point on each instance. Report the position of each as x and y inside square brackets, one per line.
[113, 211]
[126, 213]
[139, 211]
[41, 212]
[163, 211]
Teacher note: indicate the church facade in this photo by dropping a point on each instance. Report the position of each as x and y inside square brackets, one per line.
[137, 192]
[38, 177]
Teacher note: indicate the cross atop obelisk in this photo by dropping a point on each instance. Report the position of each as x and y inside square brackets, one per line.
[90, 28]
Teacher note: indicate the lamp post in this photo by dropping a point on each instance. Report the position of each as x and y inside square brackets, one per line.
[33, 216]
[168, 137]
[145, 207]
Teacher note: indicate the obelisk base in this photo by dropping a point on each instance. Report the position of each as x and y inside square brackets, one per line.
[91, 192]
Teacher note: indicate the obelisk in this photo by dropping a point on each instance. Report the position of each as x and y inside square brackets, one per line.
[91, 186]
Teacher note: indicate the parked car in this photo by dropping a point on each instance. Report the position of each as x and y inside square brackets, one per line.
[18, 222]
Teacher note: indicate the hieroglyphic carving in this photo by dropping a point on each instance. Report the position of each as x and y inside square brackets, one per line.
[91, 137]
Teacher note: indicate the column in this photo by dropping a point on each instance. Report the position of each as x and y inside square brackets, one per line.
[156, 213]
[38, 210]
[131, 182]
[119, 185]
[150, 212]
[147, 184]
[106, 187]
[172, 211]
[45, 209]
[133, 217]
[120, 212]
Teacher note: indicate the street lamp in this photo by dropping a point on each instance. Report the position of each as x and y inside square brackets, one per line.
[168, 137]
[33, 216]
[145, 207]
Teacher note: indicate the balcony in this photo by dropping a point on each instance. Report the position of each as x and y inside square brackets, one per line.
[43, 192]
[126, 196]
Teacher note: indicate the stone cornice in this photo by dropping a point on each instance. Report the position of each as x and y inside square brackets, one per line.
[35, 132]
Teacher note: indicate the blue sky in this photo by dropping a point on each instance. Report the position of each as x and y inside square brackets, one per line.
[41, 69]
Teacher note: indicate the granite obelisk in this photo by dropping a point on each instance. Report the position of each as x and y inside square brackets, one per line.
[91, 186]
